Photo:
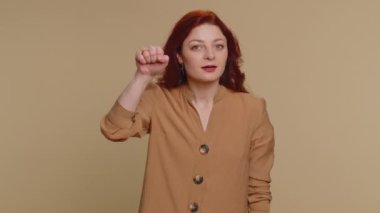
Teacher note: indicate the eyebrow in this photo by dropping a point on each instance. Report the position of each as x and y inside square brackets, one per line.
[199, 40]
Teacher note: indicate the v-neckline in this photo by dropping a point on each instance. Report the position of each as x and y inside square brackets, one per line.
[205, 127]
[189, 96]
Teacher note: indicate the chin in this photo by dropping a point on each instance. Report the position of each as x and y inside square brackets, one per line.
[203, 77]
[204, 80]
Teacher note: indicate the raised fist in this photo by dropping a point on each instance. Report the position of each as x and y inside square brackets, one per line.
[151, 61]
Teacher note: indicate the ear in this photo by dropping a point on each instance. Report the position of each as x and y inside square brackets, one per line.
[179, 58]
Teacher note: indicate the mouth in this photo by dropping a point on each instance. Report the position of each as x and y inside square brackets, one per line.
[209, 68]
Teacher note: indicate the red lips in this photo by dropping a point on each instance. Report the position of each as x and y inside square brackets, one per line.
[209, 68]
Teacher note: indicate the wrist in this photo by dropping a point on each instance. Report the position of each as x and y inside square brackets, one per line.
[144, 79]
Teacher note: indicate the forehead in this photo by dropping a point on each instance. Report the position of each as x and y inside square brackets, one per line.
[205, 32]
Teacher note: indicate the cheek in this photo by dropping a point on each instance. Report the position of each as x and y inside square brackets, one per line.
[191, 60]
[225, 53]
[223, 58]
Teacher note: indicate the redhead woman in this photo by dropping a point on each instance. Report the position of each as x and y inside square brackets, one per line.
[211, 143]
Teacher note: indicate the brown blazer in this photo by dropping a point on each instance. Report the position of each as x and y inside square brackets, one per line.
[225, 169]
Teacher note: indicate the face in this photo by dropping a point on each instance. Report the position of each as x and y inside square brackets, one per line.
[204, 54]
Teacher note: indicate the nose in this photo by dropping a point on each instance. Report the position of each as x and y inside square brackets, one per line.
[209, 54]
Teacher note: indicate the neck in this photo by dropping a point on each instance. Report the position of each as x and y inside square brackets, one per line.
[203, 92]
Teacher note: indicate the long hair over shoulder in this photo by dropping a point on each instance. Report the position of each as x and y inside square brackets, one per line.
[232, 76]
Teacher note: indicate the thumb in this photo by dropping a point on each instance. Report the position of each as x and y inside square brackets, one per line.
[163, 58]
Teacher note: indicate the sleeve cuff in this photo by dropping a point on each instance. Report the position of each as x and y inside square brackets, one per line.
[119, 116]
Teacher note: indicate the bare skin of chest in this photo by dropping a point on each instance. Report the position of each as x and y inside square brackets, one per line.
[204, 111]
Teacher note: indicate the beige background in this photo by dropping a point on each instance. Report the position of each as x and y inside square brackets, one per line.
[63, 63]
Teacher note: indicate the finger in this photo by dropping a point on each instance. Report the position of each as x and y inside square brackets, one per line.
[159, 50]
[140, 58]
[160, 55]
[153, 54]
[146, 55]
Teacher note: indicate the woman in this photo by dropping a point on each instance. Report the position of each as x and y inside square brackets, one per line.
[211, 143]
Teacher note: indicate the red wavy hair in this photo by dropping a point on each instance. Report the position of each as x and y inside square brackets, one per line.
[232, 76]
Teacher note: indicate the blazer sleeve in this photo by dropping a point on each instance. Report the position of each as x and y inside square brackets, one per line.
[261, 162]
[119, 124]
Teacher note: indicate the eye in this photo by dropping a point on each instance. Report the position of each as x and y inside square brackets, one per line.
[220, 46]
[196, 47]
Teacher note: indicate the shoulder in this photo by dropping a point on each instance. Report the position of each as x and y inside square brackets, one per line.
[160, 94]
[250, 108]
[250, 100]
[248, 105]
[152, 92]
[155, 89]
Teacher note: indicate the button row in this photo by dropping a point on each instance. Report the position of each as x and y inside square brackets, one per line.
[198, 179]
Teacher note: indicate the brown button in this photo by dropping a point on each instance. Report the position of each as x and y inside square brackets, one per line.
[194, 207]
[198, 179]
[203, 149]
